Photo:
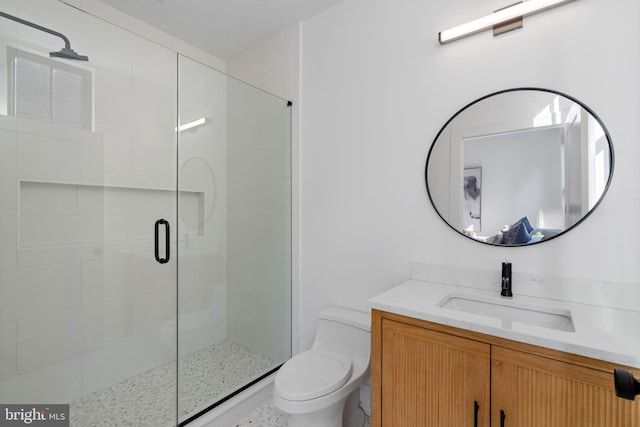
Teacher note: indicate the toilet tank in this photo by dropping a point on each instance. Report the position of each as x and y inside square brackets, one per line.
[344, 330]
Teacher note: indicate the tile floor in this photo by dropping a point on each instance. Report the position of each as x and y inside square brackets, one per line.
[148, 399]
[268, 415]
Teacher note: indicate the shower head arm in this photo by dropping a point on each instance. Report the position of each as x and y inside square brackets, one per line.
[67, 44]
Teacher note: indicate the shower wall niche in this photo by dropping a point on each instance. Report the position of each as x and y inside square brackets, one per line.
[88, 316]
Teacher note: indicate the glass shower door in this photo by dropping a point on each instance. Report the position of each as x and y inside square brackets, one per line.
[234, 265]
[87, 168]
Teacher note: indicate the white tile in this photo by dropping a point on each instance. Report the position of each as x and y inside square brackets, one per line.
[116, 228]
[200, 265]
[8, 359]
[154, 72]
[201, 297]
[8, 241]
[243, 165]
[244, 197]
[57, 383]
[91, 200]
[59, 335]
[151, 312]
[117, 152]
[35, 256]
[274, 122]
[8, 190]
[48, 322]
[7, 146]
[117, 318]
[39, 198]
[271, 233]
[274, 271]
[242, 264]
[248, 333]
[94, 155]
[141, 227]
[123, 277]
[215, 234]
[160, 164]
[50, 347]
[147, 202]
[244, 131]
[121, 359]
[154, 122]
[244, 231]
[43, 230]
[36, 290]
[273, 162]
[92, 228]
[274, 196]
[28, 129]
[113, 109]
[45, 151]
[104, 280]
[112, 69]
[192, 211]
[194, 339]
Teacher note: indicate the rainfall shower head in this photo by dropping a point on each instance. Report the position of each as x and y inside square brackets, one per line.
[66, 52]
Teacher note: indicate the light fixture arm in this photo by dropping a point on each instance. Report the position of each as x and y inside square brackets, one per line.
[66, 52]
[67, 43]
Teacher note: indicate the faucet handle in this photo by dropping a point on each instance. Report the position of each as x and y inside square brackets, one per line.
[506, 280]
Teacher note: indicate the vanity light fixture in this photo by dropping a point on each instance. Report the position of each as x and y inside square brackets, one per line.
[190, 125]
[506, 16]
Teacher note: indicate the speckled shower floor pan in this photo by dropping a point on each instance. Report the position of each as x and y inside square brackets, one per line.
[149, 399]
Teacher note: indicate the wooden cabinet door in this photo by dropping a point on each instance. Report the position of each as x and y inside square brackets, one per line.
[535, 391]
[431, 379]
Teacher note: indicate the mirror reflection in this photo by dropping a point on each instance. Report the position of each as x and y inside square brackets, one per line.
[519, 167]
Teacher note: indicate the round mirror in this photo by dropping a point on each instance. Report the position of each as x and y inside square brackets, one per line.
[519, 167]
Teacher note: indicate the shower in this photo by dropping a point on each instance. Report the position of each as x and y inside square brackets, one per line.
[66, 52]
[145, 225]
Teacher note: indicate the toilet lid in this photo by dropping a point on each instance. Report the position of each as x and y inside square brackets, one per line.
[312, 374]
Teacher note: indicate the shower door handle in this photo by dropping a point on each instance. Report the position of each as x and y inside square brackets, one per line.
[166, 240]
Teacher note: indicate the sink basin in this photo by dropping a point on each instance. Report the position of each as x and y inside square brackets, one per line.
[510, 311]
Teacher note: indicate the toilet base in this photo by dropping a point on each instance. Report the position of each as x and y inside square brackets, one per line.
[327, 417]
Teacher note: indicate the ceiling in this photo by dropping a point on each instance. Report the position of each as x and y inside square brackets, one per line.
[224, 28]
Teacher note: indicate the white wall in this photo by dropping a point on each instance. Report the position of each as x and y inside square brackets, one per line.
[376, 88]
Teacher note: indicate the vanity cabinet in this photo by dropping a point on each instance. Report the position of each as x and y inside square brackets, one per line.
[432, 379]
[431, 375]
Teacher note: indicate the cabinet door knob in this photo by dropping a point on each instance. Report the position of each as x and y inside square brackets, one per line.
[502, 417]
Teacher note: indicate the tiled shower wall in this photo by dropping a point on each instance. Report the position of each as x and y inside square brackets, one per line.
[83, 303]
[259, 239]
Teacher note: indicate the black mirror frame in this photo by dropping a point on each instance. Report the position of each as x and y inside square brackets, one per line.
[585, 107]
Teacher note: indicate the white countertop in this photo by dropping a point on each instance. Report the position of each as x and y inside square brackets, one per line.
[601, 333]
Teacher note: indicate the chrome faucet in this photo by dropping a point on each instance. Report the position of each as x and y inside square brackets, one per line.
[506, 280]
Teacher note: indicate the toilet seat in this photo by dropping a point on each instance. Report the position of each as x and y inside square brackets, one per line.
[312, 374]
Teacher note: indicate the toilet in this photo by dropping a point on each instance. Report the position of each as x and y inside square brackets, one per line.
[312, 387]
